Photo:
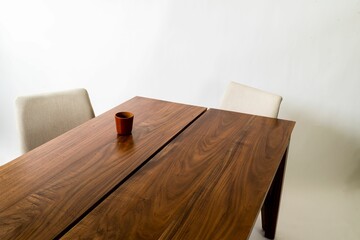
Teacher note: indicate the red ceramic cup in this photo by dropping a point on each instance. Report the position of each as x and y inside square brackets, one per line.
[124, 122]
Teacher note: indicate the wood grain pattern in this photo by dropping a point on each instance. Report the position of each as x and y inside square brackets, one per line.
[208, 183]
[45, 190]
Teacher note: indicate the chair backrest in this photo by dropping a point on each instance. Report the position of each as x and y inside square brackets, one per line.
[242, 98]
[46, 116]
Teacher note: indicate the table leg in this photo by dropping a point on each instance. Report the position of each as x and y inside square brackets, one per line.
[270, 208]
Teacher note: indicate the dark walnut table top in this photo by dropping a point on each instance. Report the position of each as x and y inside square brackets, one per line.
[185, 173]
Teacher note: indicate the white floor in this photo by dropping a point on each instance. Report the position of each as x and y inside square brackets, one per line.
[330, 214]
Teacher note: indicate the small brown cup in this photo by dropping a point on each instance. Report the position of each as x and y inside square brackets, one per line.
[124, 122]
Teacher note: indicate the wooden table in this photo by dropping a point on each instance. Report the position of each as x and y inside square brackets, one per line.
[185, 173]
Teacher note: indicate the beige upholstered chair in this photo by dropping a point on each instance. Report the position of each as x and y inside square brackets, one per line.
[241, 98]
[46, 116]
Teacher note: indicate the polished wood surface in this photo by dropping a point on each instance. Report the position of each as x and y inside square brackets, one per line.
[49, 189]
[209, 183]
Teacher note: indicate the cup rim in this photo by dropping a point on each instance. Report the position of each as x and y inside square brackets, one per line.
[124, 115]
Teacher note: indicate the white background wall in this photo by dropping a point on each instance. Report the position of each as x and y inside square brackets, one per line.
[187, 51]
